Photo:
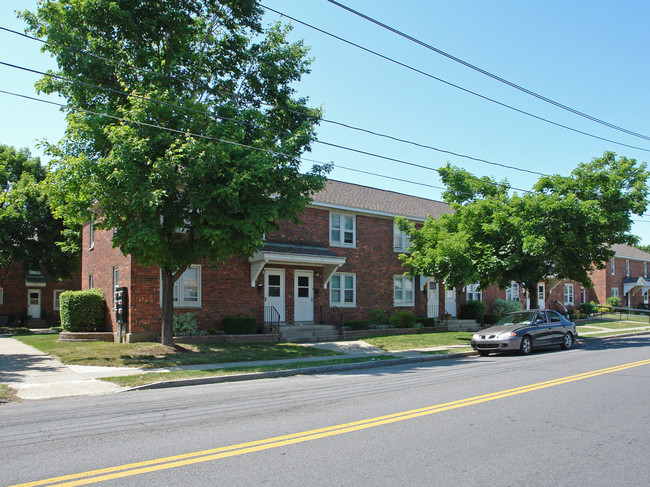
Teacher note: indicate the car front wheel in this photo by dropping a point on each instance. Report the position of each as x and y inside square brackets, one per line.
[526, 345]
[567, 341]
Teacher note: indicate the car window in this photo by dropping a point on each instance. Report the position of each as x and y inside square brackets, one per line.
[554, 317]
[541, 318]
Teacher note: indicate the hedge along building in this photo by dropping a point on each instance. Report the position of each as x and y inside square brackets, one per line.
[339, 264]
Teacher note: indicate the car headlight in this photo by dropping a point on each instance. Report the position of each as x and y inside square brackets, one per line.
[475, 336]
[505, 336]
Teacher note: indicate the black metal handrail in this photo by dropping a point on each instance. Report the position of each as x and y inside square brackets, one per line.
[331, 315]
[269, 317]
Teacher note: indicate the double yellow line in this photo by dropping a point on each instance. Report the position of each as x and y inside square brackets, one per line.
[131, 469]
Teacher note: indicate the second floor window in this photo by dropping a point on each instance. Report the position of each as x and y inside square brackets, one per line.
[342, 231]
[613, 267]
[401, 241]
[627, 268]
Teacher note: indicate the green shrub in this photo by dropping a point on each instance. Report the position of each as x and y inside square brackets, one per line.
[239, 325]
[502, 307]
[574, 314]
[82, 310]
[614, 301]
[428, 322]
[472, 310]
[185, 325]
[378, 317]
[357, 324]
[490, 318]
[402, 319]
[587, 308]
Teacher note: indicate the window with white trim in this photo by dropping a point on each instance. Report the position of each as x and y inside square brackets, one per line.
[583, 295]
[474, 292]
[187, 288]
[91, 281]
[645, 269]
[403, 294]
[568, 295]
[57, 302]
[91, 236]
[342, 229]
[615, 292]
[343, 289]
[627, 268]
[401, 240]
[512, 292]
[613, 266]
[116, 283]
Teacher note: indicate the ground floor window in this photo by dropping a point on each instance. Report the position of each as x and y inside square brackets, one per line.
[57, 295]
[568, 294]
[116, 283]
[615, 292]
[343, 290]
[512, 292]
[474, 292]
[187, 288]
[403, 291]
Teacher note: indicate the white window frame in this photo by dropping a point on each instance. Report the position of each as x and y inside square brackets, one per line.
[613, 265]
[627, 268]
[645, 269]
[583, 295]
[569, 294]
[91, 281]
[342, 217]
[401, 240]
[512, 292]
[615, 292]
[116, 284]
[56, 304]
[178, 296]
[403, 300]
[474, 292]
[342, 288]
[91, 237]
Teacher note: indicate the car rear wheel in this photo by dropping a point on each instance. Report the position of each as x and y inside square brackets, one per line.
[526, 345]
[567, 341]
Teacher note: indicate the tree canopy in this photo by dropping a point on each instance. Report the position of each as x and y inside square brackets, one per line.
[181, 115]
[563, 227]
[30, 234]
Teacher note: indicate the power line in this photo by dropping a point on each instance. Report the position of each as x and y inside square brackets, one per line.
[428, 75]
[487, 73]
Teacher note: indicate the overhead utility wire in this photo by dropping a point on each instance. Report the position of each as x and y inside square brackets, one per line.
[225, 141]
[241, 122]
[487, 73]
[424, 73]
[333, 122]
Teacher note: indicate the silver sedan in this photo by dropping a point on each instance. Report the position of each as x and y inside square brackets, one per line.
[523, 331]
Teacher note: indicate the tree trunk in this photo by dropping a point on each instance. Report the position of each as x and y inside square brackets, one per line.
[167, 322]
[532, 294]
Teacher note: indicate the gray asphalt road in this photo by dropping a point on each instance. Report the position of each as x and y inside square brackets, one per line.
[578, 417]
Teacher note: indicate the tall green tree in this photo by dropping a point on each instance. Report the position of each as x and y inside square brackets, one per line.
[564, 227]
[30, 234]
[185, 116]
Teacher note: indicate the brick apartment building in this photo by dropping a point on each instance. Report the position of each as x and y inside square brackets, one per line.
[32, 299]
[343, 258]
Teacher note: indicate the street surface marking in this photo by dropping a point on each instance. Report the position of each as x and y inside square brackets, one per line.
[131, 469]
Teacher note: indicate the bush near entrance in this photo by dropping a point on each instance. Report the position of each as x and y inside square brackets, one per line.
[82, 310]
[402, 319]
[239, 325]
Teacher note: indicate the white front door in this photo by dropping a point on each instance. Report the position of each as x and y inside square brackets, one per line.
[450, 301]
[433, 300]
[303, 296]
[541, 295]
[274, 290]
[34, 303]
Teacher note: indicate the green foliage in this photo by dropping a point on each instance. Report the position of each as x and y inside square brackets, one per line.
[358, 324]
[501, 307]
[587, 308]
[564, 227]
[194, 67]
[472, 310]
[490, 318]
[82, 310]
[239, 325]
[402, 319]
[185, 325]
[378, 317]
[614, 301]
[30, 234]
[428, 322]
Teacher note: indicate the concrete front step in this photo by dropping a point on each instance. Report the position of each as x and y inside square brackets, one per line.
[305, 333]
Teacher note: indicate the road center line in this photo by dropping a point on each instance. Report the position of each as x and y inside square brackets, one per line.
[131, 469]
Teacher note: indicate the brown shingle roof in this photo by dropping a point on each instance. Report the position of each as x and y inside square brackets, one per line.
[342, 195]
[629, 252]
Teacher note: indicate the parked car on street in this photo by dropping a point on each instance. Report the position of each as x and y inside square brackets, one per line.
[524, 331]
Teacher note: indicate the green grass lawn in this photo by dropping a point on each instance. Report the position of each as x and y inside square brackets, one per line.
[143, 379]
[153, 355]
[392, 343]
[7, 394]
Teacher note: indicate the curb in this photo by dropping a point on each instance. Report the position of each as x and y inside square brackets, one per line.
[293, 372]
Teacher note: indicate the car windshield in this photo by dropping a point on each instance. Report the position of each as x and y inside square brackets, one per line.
[524, 317]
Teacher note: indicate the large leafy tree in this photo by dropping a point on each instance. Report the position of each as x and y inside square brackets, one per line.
[184, 117]
[29, 233]
[564, 227]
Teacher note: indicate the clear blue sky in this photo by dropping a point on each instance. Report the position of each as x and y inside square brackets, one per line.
[590, 55]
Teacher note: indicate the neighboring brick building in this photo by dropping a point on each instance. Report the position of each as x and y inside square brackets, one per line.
[32, 299]
[342, 260]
